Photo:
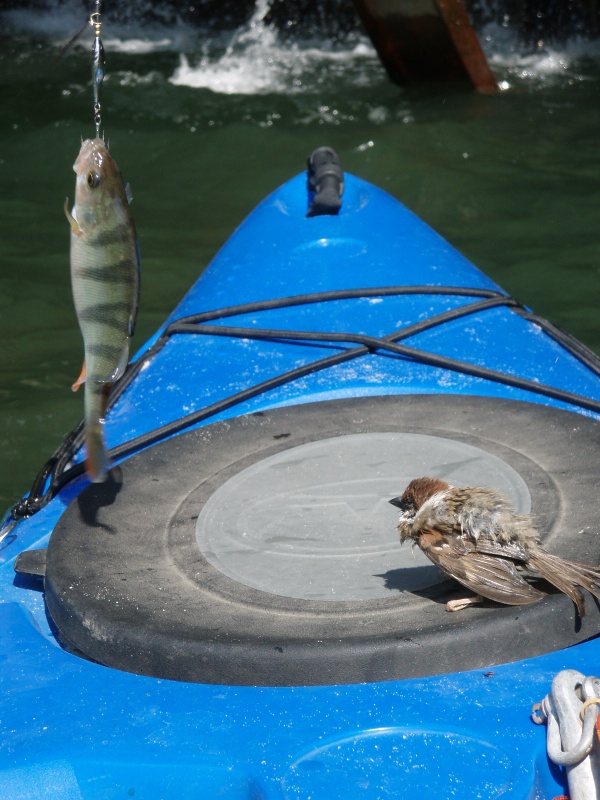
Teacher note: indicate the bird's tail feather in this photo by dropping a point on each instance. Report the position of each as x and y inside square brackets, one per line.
[567, 576]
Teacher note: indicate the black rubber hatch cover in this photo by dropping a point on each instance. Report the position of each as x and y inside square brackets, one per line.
[262, 550]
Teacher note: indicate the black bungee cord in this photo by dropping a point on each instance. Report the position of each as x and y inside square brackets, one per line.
[59, 470]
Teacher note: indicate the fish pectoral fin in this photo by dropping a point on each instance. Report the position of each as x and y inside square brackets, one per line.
[71, 220]
[80, 379]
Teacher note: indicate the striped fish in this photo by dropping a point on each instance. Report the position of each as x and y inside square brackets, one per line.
[105, 278]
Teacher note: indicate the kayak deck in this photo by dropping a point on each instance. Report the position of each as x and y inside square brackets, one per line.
[79, 729]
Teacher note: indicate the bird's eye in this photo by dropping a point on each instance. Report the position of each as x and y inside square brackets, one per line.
[93, 179]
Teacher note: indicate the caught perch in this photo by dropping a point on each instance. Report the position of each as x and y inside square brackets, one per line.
[474, 535]
[105, 278]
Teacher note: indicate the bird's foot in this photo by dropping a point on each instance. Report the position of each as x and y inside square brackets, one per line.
[458, 605]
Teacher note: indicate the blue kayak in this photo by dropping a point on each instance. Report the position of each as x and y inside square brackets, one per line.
[230, 614]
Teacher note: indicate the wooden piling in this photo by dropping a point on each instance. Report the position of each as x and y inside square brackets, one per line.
[426, 40]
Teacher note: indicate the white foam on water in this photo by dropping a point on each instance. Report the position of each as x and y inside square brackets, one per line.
[256, 61]
[61, 22]
[139, 46]
[515, 64]
[267, 66]
[253, 60]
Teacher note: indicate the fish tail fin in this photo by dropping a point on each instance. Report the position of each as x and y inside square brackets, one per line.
[567, 576]
[96, 463]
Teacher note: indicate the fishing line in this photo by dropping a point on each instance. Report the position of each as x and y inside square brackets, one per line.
[98, 63]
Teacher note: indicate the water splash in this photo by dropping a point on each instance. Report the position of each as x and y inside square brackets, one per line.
[251, 64]
[255, 61]
[519, 65]
[262, 68]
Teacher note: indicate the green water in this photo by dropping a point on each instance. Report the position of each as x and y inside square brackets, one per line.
[512, 180]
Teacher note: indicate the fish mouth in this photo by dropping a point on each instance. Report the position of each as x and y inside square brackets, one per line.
[92, 154]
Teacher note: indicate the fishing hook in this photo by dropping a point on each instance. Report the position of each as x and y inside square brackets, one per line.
[98, 64]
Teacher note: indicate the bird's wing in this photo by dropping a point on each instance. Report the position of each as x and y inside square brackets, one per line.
[491, 576]
[486, 544]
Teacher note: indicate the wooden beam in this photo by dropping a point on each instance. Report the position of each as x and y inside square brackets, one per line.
[426, 40]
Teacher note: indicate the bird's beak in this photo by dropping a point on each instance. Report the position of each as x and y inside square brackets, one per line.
[397, 501]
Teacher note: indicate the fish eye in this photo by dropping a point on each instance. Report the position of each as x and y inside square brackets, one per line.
[93, 179]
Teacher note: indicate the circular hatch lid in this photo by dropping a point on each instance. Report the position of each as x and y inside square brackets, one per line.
[263, 551]
[314, 521]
